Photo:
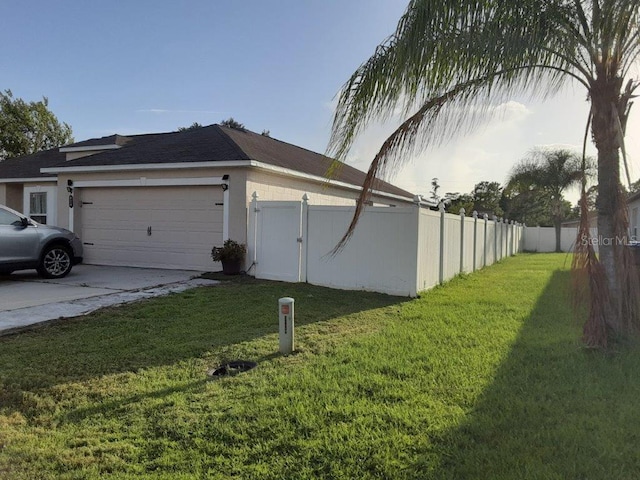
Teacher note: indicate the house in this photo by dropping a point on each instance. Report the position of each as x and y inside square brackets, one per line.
[165, 199]
[575, 222]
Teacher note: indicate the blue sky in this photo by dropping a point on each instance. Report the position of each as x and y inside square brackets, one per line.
[151, 66]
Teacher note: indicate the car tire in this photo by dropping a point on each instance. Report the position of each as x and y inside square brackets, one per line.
[55, 262]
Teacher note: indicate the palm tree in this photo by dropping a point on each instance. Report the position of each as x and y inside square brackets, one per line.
[449, 61]
[550, 173]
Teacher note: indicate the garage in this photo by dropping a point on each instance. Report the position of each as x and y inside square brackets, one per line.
[158, 227]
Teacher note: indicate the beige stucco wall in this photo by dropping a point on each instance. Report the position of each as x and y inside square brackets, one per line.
[274, 186]
[11, 195]
[75, 155]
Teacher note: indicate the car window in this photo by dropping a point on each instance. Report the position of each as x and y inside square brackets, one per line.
[8, 218]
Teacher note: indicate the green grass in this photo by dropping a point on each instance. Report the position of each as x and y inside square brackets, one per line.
[481, 378]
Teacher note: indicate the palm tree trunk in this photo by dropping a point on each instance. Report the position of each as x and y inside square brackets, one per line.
[557, 223]
[609, 236]
[611, 224]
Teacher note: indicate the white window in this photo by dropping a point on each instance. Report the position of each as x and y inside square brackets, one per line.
[40, 204]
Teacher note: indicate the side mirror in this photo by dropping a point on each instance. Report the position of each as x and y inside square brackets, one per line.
[24, 222]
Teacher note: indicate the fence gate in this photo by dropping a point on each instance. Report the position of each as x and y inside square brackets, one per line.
[277, 245]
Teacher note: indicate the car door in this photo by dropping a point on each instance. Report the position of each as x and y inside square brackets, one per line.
[18, 244]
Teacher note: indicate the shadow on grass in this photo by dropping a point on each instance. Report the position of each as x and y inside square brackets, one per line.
[164, 330]
[554, 410]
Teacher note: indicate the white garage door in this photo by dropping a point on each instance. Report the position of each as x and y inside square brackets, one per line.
[160, 227]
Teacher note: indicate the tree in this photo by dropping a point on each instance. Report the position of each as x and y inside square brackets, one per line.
[448, 62]
[193, 126]
[549, 173]
[27, 128]
[486, 198]
[231, 123]
[523, 205]
[435, 186]
[457, 201]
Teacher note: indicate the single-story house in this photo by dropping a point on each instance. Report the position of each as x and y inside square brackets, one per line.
[165, 199]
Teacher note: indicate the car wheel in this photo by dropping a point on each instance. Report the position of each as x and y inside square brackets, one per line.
[55, 262]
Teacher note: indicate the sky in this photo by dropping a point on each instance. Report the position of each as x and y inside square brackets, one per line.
[146, 66]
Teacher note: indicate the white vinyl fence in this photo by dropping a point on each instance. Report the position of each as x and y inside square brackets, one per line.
[400, 251]
[543, 239]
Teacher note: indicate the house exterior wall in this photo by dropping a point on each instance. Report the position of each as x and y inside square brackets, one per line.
[271, 186]
[243, 181]
[11, 195]
[75, 155]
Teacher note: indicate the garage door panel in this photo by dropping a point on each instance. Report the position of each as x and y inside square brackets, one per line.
[185, 224]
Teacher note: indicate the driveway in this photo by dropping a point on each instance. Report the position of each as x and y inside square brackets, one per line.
[26, 299]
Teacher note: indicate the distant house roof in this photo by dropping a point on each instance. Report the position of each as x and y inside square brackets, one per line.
[214, 143]
[633, 197]
[575, 222]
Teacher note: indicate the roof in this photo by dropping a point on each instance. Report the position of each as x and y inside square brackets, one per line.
[633, 197]
[28, 166]
[214, 143]
[116, 139]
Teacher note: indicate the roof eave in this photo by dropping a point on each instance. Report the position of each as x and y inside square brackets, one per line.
[223, 164]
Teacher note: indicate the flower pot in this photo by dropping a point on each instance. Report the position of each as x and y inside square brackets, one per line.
[231, 267]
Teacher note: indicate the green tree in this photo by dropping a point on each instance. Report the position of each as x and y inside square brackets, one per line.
[549, 173]
[448, 62]
[27, 128]
[457, 201]
[231, 123]
[527, 206]
[486, 198]
[193, 126]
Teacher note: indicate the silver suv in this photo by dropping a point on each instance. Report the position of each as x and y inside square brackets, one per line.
[25, 244]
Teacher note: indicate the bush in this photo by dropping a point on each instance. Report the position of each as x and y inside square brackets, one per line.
[230, 251]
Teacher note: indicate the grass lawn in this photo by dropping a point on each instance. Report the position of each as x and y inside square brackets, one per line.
[482, 378]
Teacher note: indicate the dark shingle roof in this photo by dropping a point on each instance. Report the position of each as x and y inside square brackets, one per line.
[28, 166]
[116, 139]
[214, 143]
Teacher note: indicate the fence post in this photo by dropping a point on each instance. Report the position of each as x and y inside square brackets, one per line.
[485, 217]
[441, 266]
[304, 230]
[512, 228]
[254, 211]
[506, 238]
[475, 239]
[495, 239]
[501, 253]
[462, 212]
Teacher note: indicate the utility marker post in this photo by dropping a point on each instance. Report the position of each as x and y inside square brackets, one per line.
[286, 311]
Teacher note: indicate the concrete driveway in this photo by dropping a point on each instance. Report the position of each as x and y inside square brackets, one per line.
[26, 299]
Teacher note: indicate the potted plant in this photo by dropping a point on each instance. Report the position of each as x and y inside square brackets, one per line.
[231, 254]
